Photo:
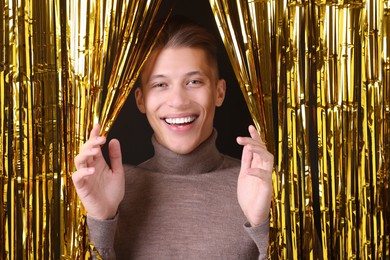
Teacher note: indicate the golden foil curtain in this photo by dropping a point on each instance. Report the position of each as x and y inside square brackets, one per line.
[316, 78]
[64, 65]
[327, 96]
[30, 128]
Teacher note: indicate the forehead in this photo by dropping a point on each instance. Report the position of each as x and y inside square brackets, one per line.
[174, 62]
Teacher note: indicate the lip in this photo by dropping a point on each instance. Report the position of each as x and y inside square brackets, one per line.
[187, 119]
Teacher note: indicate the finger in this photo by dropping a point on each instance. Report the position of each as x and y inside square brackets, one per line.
[261, 151]
[254, 136]
[115, 156]
[251, 142]
[93, 141]
[246, 159]
[83, 159]
[254, 133]
[95, 131]
[79, 176]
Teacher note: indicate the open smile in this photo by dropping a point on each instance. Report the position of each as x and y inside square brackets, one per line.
[180, 121]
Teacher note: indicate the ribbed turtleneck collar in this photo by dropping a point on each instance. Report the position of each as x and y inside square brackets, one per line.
[203, 159]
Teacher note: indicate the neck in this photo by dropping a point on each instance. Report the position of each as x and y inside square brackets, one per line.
[205, 158]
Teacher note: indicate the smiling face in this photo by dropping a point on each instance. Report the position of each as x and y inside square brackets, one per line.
[179, 94]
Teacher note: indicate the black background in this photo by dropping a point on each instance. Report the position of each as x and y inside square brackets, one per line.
[232, 119]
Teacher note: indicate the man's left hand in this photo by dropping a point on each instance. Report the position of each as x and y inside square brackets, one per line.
[254, 188]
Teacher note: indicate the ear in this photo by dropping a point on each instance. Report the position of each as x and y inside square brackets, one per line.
[139, 99]
[221, 90]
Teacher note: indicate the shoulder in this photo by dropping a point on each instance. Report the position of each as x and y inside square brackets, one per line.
[133, 172]
[230, 162]
[128, 168]
[230, 168]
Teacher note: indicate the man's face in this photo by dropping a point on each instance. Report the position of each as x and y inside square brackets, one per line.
[180, 91]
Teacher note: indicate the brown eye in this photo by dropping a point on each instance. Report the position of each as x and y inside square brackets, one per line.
[194, 82]
[159, 85]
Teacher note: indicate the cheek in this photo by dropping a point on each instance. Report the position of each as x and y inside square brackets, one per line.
[210, 101]
[152, 102]
[206, 98]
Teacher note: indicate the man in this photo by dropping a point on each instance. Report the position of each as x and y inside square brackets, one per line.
[188, 201]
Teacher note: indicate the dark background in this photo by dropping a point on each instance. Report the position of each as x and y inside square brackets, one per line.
[232, 119]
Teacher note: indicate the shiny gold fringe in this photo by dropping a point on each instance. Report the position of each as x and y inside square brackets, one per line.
[31, 170]
[316, 78]
[61, 64]
[328, 93]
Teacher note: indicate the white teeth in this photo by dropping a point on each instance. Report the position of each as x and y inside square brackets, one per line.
[182, 120]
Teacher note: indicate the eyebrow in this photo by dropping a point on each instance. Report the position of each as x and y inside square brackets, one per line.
[195, 73]
[157, 76]
[191, 73]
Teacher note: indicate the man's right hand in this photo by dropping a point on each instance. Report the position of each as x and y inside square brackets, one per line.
[100, 188]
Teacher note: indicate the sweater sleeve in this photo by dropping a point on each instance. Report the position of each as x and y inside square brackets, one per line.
[260, 235]
[102, 235]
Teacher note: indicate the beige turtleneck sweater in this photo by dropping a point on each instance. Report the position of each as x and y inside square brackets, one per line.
[181, 207]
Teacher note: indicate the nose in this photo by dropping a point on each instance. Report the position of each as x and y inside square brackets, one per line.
[178, 97]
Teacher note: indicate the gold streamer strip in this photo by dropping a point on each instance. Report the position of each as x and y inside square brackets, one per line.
[331, 193]
[56, 65]
[106, 53]
[129, 60]
[30, 130]
[330, 88]
[249, 20]
[385, 199]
